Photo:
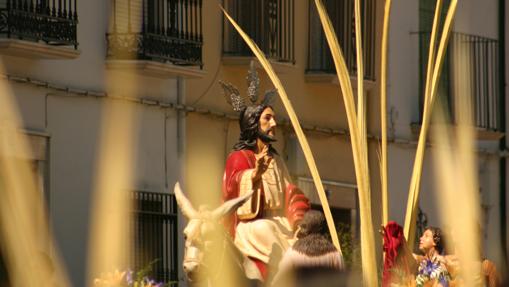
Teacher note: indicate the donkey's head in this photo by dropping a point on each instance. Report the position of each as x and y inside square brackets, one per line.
[204, 236]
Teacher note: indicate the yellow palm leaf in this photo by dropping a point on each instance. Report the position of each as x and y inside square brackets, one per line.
[369, 265]
[413, 194]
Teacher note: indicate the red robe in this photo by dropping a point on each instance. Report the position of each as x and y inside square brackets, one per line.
[295, 202]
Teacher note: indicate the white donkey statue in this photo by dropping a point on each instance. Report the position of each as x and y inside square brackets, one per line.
[211, 258]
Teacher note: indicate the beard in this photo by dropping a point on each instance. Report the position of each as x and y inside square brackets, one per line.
[265, 137]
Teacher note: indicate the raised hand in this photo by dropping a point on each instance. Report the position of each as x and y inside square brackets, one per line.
[262, 162]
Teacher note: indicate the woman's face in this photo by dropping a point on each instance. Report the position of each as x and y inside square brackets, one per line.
[426, 241]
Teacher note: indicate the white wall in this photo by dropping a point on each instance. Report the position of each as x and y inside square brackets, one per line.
[73, 125]
[477, 18]
[403, 77]
[403, 96]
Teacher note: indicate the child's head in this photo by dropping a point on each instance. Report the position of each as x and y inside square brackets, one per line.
[312, 223]
[432, 238]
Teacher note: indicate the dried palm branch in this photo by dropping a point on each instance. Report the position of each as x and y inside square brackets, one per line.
[111, 210]
[361, 101]
[383, 114]
[413, 193]
[26, 244]
[369, 264]
[456, 171]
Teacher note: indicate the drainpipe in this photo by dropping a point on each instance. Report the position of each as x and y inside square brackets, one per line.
[503, 142]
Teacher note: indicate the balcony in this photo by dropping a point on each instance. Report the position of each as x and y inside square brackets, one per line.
[470, 72]
[320, 63]
[41, 29]
[270, 23]
[155, 234]
[160, 37]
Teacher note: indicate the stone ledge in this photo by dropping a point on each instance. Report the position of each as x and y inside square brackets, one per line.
[279, 67]
[329, 78]
[36, 50]
[156, 69]
[481, 134]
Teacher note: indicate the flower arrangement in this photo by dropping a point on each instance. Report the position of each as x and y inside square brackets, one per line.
[432, 269]
[129, 278]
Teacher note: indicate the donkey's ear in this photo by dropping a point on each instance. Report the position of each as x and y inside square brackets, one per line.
[185, 205]
[231, 205]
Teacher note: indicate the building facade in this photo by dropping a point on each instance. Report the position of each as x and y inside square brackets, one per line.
[472, 69]
[178, 50]
[59, 58]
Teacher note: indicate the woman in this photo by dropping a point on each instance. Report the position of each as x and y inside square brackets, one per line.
[432, 270]
[403, 268]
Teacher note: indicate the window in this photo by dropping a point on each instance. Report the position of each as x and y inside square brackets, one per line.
[474, 75]
[470, 71]
[155, 234]
[51, 21]
[341, 14]
[157, 30]
[270, 23]
[426, 15]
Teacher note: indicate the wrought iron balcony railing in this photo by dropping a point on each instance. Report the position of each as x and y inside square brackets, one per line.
[51, 21]
[470, 72]
[270, 23]
[159, 30]
[155, 234]
[342, 17]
